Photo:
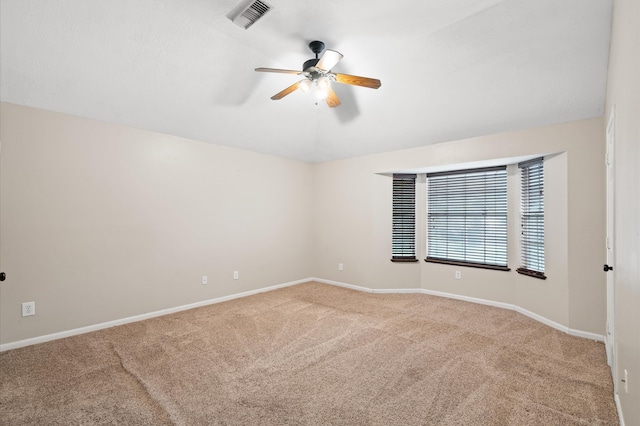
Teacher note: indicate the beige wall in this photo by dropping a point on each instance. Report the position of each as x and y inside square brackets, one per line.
[623, 94]
[353, 223]
[101, 222]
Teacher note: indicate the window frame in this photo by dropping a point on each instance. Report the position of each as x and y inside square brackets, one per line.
[532, 218]
[403, 228]
[462, 256]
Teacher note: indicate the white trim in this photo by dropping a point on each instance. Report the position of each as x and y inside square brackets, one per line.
[619, 408]
[509, 306]
[141, 317]
[469, 299]
[586, 335]
[339, 284]
[135, 318]
[470, 165]
[368, 290]
[397, 291]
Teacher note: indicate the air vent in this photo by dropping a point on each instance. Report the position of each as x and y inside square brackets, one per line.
[248, 12]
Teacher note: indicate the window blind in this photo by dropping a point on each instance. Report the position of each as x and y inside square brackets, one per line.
[403, 246]
[532, 218]
[467, 217]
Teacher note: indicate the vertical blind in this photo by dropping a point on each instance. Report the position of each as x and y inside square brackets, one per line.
[532, 217]
[403, 246]
[467, 217]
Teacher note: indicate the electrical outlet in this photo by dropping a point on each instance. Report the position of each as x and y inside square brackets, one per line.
[235, 275]
[340, 267]
[28, 309]
[204, 280]
[458, 275]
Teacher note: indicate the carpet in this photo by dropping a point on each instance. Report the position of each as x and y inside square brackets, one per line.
[314, 354]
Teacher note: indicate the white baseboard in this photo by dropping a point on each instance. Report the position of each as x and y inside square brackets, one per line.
[525, 312]
[135, 318]
[367, 289]
[619, 408]
[469, 299]
[141, 317]
[339, 284]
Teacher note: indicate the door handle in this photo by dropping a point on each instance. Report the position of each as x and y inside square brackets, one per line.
[3, 276]
[607, 268]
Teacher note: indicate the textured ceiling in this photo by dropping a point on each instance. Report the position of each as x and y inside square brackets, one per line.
[449, 69]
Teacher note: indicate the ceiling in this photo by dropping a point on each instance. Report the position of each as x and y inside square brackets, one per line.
[449, 69]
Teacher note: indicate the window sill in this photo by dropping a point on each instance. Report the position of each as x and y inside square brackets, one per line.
[469, 264]
[530, 273]
[404, 260]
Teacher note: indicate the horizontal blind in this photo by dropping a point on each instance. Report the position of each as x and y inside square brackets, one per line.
[467, 216]
[532, 215]
[403, 245]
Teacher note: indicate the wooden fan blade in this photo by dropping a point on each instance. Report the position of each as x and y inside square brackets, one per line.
[355, 80]
[277, 70]
[328, 60]
[286, 91]
[332, 99]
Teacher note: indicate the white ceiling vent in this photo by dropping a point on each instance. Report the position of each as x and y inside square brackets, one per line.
[248, 12]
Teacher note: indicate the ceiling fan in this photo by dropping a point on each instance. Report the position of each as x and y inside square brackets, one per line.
[317, 72]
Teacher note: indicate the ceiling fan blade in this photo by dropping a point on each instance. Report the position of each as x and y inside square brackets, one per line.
[277, 70]
[328, 60]
[372, 83]
[332, 99]
[286, 91]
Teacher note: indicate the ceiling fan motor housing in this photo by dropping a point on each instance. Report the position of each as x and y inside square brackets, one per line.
[316, 47]
[310, 63]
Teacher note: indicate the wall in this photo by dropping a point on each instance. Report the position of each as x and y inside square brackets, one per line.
[102, 222]
[623, 94]
[353, 223]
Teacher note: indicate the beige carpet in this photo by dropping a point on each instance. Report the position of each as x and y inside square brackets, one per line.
[314, 354]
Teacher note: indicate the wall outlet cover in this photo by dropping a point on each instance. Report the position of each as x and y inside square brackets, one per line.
[28, 309]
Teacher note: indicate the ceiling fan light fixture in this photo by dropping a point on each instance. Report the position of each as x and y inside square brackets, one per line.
[305, 86]
[321, 94]
[323, 83]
